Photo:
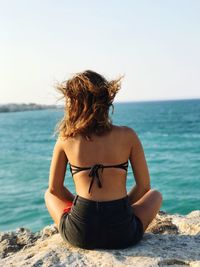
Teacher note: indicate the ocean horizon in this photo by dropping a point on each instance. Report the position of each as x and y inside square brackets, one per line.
[170, 134]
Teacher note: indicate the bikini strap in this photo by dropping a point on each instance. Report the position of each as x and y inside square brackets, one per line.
[77, 169]
[123, 166]
[94, 171]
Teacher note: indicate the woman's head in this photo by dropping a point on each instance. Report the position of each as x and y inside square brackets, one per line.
[88, 97]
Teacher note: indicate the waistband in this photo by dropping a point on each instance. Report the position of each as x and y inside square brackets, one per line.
[93, 203]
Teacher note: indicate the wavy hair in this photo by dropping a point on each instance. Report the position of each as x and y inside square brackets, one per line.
[88, 97]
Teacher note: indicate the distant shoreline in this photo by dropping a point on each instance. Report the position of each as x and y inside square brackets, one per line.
[14, 107]
[17, 107]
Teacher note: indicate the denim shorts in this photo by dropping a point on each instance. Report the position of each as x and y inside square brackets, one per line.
[106, 224]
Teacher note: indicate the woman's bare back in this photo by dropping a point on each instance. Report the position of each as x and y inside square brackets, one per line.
[88, 98]
[110, 149]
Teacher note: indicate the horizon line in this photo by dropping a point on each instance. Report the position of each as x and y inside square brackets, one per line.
[115, 102]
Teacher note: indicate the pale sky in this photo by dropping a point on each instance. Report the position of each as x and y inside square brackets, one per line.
[154, 43]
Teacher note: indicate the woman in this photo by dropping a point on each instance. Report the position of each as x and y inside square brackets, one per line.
[101, 214]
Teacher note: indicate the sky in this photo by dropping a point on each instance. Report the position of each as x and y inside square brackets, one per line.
[155, 44]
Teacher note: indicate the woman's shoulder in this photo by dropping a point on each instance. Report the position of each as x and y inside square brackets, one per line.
[118, 131]
[124, 130]
[62, 141]
[128, 134]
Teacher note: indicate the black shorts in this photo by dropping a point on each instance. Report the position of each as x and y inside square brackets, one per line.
[106, 224]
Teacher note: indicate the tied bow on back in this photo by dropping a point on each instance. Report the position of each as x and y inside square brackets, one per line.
[94, 173]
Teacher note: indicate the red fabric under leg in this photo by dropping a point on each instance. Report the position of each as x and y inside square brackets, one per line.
[68, 206]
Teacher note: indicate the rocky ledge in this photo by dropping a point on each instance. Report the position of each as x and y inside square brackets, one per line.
[170, 240]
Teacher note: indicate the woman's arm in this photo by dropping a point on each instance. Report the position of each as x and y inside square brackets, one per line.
[57, 173]
[139, 167]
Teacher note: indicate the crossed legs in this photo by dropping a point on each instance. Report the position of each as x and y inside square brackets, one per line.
[147, 207]
[55, 206]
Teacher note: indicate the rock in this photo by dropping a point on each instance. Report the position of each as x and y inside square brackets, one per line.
[189, 224]
[170, 240]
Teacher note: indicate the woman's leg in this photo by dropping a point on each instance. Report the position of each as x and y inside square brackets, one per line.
[55, 206]
[147, 207]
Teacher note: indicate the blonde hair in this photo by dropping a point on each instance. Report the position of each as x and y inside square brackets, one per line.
[88, 97]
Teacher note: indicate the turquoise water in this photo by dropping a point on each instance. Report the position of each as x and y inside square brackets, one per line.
[169, 131]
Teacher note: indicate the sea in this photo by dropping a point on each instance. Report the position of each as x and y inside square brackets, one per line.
[168, 130]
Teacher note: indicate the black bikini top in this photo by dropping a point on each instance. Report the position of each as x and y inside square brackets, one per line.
[94, 171]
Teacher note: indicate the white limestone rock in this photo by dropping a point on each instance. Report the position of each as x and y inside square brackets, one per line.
[170, 240]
